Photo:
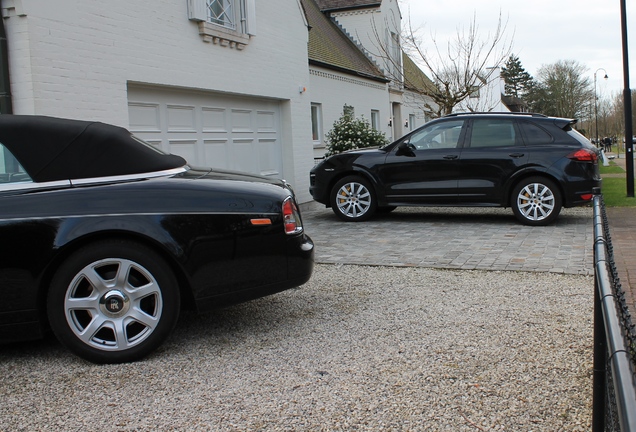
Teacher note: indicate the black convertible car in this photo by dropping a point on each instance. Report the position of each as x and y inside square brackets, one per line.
[105, 238]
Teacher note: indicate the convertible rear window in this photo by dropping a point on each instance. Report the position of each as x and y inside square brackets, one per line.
[10, 169]
[148, 145]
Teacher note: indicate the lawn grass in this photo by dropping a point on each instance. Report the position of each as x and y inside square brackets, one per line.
[615, 188]
[614, 191]
[611, 169]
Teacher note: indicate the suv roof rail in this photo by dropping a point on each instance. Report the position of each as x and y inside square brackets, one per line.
[495, 113]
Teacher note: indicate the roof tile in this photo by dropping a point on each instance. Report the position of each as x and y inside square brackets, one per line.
[330, 47]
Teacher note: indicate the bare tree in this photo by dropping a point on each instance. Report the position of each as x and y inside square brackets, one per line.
[459, 68]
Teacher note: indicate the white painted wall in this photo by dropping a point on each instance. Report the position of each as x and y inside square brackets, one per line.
[489, 99]
[333, 90]
[413, 108]
[75, 58]
[371, 28]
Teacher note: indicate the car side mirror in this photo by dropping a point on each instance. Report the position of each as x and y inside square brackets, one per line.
[405, 149]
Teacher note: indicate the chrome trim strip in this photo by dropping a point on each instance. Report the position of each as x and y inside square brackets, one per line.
[68, 216]
[31, 185]
[129, 177]
[18, 186]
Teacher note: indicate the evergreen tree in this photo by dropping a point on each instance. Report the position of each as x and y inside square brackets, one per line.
[517, 82]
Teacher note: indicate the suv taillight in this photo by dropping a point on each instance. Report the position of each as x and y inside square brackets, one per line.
[291, 217]
[583, 155]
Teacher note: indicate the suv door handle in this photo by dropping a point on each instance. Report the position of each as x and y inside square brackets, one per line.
[516, 155]
[450, 157]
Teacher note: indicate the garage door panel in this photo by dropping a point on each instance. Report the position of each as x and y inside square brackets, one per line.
[213, 120]
[243, 156]
[266, 121]
[268, 163]
[181, 118]
[146, 117]
[215, 153]
[242, 121]
[185, 148]
[209, 129]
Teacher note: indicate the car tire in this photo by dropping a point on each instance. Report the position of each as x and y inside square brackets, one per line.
[353, 199]
[536, 201]
[113, 302]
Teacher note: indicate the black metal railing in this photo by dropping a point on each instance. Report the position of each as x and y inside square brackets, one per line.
[614, 338]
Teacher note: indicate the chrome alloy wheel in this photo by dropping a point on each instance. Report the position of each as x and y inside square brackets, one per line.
[353, 199]
[113, 304]
[536, 201]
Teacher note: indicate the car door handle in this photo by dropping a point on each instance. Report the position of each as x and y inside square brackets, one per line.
[450, 157]
[516, 155]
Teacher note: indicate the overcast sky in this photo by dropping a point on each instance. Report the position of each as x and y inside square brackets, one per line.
[542, 31]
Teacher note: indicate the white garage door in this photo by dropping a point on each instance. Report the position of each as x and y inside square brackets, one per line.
[209, 129]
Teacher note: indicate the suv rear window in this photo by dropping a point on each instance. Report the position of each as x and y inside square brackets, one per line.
[579, 137]
[535, 135]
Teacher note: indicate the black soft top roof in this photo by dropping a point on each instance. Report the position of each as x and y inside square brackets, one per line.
[52, 149]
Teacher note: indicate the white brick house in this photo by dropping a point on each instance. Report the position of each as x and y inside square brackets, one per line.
[223, 83]
[218, 85]
[356, 59]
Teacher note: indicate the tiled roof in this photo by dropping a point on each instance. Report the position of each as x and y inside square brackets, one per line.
[330, 5]
[414, 78]
[330, 47]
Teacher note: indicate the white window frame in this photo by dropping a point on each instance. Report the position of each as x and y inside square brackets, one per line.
[316, 124]
[375, 119]
[395, 59]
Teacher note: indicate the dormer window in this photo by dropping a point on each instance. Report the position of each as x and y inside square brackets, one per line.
[224, 22]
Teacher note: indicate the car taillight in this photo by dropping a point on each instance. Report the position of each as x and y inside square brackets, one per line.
[291, 217]
[583, 155]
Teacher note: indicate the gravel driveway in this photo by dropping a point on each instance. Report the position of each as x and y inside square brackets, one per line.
[358, 347]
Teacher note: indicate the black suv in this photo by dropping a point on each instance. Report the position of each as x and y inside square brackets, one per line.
[532, 163]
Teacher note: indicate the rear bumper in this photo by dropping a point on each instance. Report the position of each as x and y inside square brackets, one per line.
[300, 265]
[581, 193]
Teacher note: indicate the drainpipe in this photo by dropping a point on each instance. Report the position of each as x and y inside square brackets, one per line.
[5, 83]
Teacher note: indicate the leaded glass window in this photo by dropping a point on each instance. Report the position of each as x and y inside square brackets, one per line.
[222, 12]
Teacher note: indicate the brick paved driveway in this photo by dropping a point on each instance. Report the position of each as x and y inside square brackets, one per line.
[457, 238]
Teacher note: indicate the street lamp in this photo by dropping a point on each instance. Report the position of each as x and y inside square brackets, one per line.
[596, 100]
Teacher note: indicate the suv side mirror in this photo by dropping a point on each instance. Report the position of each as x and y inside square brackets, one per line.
[405, 149]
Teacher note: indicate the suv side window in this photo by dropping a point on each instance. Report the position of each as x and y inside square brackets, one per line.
[534, 134]
[440, 135]
[493, 133]
[10, 169]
